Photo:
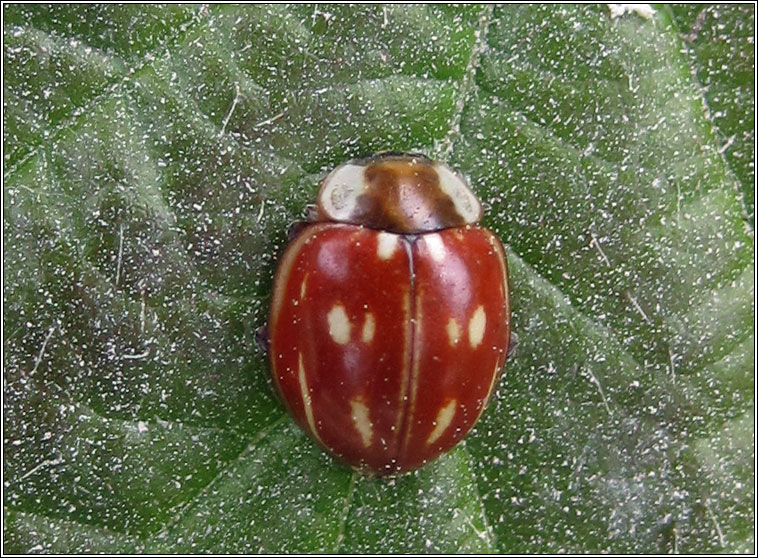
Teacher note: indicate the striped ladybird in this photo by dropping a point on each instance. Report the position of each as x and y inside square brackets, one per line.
[390, 318]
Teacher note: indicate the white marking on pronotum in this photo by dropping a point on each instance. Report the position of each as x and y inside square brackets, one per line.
[339, 324]
[444, 418]
[466, 203]
[369, 328]
[340, 191]
[435, 246]
[453, 332]
[385, 245]
[361, 420]
[306, 395]
[476, 327]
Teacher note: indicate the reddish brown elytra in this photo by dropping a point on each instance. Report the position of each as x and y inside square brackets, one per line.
[390, 320]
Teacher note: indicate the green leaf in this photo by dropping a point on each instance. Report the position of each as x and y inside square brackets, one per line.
[721, 40]
[154, 157]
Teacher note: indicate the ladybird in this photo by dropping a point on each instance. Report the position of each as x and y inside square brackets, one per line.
[390, 318]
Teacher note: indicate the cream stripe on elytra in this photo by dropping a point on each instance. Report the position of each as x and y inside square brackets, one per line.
[506, 292]
[306, 395]
[493, 380]
[495, 243]
[444, 418]
[285, 270]
[406, 364]
[417, 328]
[303, 287]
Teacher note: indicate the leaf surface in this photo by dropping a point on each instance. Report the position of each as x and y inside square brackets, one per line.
[154, 157]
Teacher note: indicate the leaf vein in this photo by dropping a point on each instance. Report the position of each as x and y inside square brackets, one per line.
[183, 509]
[468, 83]
[348, 504]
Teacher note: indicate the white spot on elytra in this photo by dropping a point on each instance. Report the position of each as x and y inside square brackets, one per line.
[444, 418]
[339, 324]
[306, 395]
[386, 243]
[476, 327]
[361, 420]
[453, 332]
[435, 246]
[369, 328]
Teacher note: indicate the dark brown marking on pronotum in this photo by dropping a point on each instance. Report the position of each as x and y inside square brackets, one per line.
[404, 195]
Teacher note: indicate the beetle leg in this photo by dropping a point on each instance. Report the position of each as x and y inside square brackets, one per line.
[512, 344]
[311, 213]
[295, 229]
[311, 216]
[262, 338]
